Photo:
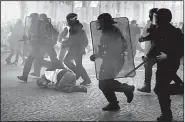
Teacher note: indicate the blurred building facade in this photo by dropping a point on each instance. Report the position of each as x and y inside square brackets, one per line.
[89, 10]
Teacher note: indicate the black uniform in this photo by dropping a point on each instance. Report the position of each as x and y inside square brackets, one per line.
[111, 51]
[166, 41]
[37, 41]
[151, 55]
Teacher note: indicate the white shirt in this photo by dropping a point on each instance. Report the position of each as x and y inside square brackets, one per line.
[52, 75]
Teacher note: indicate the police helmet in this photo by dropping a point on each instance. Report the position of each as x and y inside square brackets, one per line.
[133, 22]
[107, 18]
[43, 16]
[164, 15]
[151, 12]
[34, 15]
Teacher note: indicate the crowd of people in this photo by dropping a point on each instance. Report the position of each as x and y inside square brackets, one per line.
[136, 29]
[164, 48]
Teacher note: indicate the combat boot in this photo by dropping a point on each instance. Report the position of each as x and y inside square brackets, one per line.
[145, 88]
[111, 107]
[34, 74]
[165, 104]
[23, 78]
[128, 91]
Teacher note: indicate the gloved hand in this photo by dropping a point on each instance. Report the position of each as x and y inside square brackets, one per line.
[144, 58]
[92, 57]
[141, 39]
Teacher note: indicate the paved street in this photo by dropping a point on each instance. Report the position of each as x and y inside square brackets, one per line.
[25, 101]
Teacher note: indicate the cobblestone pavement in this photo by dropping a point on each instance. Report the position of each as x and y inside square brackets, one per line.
[25, 101]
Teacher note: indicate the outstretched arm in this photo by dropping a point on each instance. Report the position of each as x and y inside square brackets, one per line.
[63, 34]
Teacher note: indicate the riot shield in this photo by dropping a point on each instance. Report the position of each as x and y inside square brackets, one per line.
[127, 60]
[27, 27]
[50, 28]
[26, 37]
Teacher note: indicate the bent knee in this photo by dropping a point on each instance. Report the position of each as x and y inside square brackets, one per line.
[102, 85]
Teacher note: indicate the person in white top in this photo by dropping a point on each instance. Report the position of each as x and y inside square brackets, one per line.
[60, 78]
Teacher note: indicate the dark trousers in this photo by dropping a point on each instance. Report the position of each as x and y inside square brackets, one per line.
[12, 53]
[109, 87]
[17, 52]
[38, 55]
[78, 69]
[38, 64]
[164, 75]
[148, 72]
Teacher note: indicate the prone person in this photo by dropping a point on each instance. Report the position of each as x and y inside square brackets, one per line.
[60, 78]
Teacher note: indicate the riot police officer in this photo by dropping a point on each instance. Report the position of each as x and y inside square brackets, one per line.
[33, 36]
[152, 59]
[168, 47]
[112, 51]
[47, 44]
[76, 44]
[38, 40]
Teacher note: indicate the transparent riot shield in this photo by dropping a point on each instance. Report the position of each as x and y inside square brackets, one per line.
[102, 65]
[27, 27]
[50, 28]
[26, 37]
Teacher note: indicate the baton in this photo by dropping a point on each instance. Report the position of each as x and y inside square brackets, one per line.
[136, 68]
